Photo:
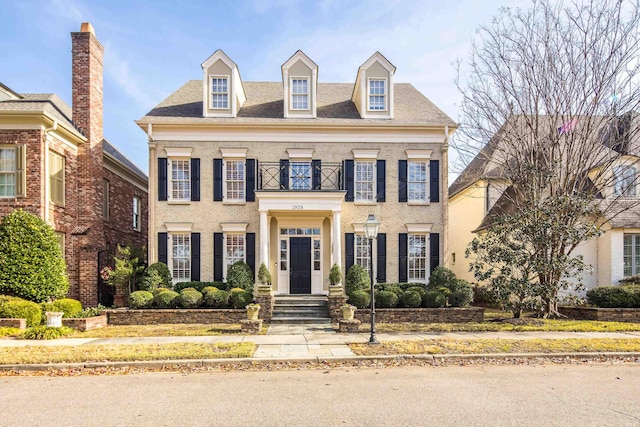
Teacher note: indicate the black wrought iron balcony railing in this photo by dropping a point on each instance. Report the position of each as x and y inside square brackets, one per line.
[303, 176]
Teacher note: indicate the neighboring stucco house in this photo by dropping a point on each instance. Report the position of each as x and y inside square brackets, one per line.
[481, 192]
[55, 163]
[287, 172]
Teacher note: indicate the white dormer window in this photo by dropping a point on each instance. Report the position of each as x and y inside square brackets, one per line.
[377, 94]
[219, 92]
[299, 93]
[625, 181]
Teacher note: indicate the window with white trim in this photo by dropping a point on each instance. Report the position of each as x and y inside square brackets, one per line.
[8, 166]
[299, 93]
[624, 181]
[362, 256]
[631, 254]
[417, 181]
[56, 178]
[136, 213]
[377, 94]
[180, 180]
[181, 256]
[234, 248]
[417, 257]
[219, 92]
[234, 172]
[364, 181]
[300, 175]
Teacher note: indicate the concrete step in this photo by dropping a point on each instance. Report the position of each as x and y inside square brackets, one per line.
[300, 320]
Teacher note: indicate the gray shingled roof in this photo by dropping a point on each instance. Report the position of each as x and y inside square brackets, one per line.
[265, 104]
[111, 149]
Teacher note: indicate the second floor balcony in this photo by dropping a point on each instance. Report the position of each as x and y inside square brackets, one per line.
[311, 175]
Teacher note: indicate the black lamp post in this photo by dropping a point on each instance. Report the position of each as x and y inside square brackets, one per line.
[371, 232]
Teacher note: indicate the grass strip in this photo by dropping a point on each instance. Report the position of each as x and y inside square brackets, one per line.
[163, 330]
[123, 352]
[482, 346]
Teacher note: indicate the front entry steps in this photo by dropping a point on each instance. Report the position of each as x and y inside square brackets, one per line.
[300, 309]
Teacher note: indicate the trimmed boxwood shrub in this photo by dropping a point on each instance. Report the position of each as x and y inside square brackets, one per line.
[624, 296]
[419, 289]
[239, 275]
[198, 286]
[18, 308]
[411, 299]
[396, 290]
[190, 298]
[163, 272]
[240, 299]
[209, 289]
[31, 261]
[386, 299]
[70, 307]
[141, 299]
[158, 290]
[217, 299]
[458, 292]
[434, 299]
[360, 299]
[166, 299]
[357, 279]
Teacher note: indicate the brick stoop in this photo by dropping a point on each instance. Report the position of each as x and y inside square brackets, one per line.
[300, 309]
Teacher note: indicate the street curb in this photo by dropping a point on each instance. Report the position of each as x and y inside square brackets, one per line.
[194, 363]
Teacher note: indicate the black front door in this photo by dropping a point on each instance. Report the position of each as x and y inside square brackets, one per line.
[300, 265]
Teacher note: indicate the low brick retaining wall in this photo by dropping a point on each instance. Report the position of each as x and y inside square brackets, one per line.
[154, 317]
[86, 324]
[423, 315]
[13, 323]
[604, 314]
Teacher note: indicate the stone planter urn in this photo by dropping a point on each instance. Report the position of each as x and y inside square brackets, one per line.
[54, 318]
[348, 311]
[252, 311]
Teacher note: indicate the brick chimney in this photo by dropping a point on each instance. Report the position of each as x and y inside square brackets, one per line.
[87, 75]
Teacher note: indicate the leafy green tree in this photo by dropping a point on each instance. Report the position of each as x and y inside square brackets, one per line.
[128, 268]
[31, 261]
[335, 275]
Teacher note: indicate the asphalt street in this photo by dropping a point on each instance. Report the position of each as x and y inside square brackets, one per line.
[484, 395]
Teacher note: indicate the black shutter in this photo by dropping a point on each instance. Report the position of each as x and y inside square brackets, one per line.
[195, 257]
[195, 180]
[250, 166]
[218, 248]
[217, 180]
[348, 180]
[434, 187]
[402, 257]
[316, 167]
[434, 251]
[162, 247]
[250, 243]
[284, 174]
[348, 252]
[402, 180]
[382, 258]
[380, 180]
[162, 178]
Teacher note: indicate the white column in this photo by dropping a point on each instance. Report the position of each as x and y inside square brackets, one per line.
[264, 238]
[335, 240]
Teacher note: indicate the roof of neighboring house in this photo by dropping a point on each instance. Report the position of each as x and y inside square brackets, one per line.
[265, 104]
[629, 218]
[111, 149]
[479, 168]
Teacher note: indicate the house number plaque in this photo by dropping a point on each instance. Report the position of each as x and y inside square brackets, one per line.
[297, 207]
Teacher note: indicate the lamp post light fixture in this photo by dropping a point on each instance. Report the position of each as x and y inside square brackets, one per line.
[371, 232]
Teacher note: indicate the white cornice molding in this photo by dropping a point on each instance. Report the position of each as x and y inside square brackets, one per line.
[238, 153]
[234, 227]
[300, 153]
[365, 154]
[178, 227]
[418, 154]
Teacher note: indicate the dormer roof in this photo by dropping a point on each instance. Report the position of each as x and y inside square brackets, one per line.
[377, 68]
[299, 56]
[301, 70]
[235, 89]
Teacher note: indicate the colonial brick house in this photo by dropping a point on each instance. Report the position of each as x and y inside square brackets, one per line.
[55, 163]
[286, 173]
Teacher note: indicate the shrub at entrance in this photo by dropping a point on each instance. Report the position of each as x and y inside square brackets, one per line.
[141, 299]
[31, 260]
[240, 299]
[239, 275]
[360, 299]
[357, 279]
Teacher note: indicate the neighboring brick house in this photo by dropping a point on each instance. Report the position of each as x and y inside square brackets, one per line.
[55, 163]
[287, 172]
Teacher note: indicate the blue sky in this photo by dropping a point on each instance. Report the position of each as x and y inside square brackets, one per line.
[152, 47]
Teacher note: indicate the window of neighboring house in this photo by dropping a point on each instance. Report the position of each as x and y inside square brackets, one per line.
[300, 176]
[364, 181]
[299, 94]
[219, 93]
[417, 181]
[181, 256]
[234, 180]
[234, 249]
[180, 180]
[8, 166]
[377, 94]
[106, 189]
[417, 268]
[624, 181]
[56, 178]
[362, 256]
[136, 213]
[631, 254]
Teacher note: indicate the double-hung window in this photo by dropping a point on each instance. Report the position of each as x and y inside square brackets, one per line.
[299, 93]
[362, 255]
[136, 213]
[219, 92]
[234, 248]
[181, 256]
[631, 254]
[364, 181]
[377, 95]
[56, 178]
[417, 181]
[234, 180]
[624, 181]
[180, 180]
[8, 168]
[417, 257]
